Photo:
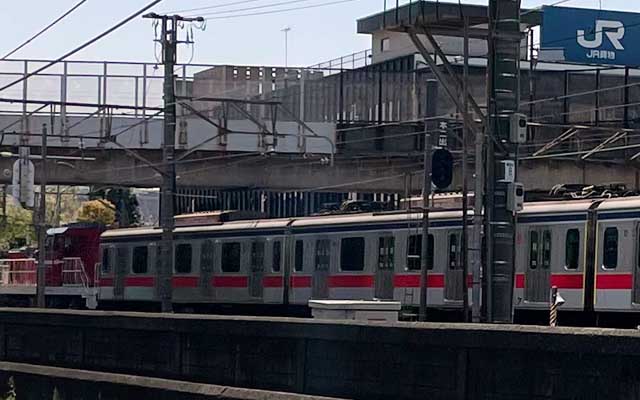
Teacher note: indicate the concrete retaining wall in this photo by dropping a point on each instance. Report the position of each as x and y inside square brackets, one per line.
[27, 381]
[354, 360]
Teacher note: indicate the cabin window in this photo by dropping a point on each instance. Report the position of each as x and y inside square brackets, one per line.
[182, 258]
[276, 256]
[323, 254]
[414, 253]
[139, 260]
[257, 256]
[206, 255]
[299, 256]
[106, 260]
[386, 252]
[546, 249]
[610, 250]
[454, 251]
[572, 249]
[533, 249]
[230, 257]
[352, 254]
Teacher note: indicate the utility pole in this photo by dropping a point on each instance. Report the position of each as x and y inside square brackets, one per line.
[503, 83]
[169, 41]
[42, 226]
[465, 134]
[286, 31]
[431, 112]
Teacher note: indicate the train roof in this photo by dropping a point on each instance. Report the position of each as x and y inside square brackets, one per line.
[531, 208]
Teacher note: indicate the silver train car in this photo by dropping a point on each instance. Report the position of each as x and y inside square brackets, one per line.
[587, 248]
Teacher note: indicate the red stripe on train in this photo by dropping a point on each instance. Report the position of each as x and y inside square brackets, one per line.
[350, 281]
[184, 281]
[140, 281]
[413, 281]
[614, 281]
[272, 281]
[230, 281]
[561, 281]
[301, 281]
[106, 282]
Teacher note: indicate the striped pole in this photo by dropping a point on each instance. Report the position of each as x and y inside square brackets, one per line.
[553, 308]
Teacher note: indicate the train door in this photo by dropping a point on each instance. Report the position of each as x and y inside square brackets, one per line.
[636, 269]
[120, 270]
[538, 271]
[257, 269]
[453, 272]
[384, 272]
[207, 259]
[321, 268]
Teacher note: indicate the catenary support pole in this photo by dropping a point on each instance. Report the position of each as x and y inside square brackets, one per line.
[431, 102]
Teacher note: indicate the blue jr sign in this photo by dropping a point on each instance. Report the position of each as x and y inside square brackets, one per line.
[592, 36]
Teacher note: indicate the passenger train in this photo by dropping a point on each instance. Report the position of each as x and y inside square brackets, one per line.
[588, 249]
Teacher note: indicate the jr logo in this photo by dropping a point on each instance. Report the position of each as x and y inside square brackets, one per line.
[613, 29]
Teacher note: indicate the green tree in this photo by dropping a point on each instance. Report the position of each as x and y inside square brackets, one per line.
[125, 202]
[17, 228]
[100, 211]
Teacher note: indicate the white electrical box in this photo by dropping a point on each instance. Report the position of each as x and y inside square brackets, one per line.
[518, 128]
[515, 197]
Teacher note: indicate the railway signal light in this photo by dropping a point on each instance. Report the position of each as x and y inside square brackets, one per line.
[442, 168]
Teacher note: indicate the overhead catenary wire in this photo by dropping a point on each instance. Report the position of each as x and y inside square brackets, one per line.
[233, 3]
[280, 10]
[83, 46]
[43, 30]
[269, 5]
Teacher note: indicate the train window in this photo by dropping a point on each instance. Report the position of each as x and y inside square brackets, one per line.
[572, 249]
[352, 254]
[299, 256]
[257, 256]
[386, 252]
[414, 253]
[610, 251]
[323, 254]
[276, 256]
[182, 258]
[206, 255]
[106, 260]
[546, 249]
[533, 249]
[231, 257]
[454, 251]
[139, 260]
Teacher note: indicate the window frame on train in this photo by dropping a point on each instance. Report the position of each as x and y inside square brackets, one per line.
[257, 254]
[534, 252]
[224, 256]
[572, 249]
[180, 261]
[108, 254]
[298, 256]
[605, 252]
[386, 252]
[547, 248]
[456, 252]
[414, 252]
[348, 253]
[276, 255]
[207, 254]
[139, 266]
[322, 259]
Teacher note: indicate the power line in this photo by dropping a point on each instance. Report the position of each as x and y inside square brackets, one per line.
[81, 47]
[281, 10]
[255, 7]
[233, 3]
[46, 28]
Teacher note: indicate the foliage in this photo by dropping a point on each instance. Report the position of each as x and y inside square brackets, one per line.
[100, 211]
[17, 228]
[125, 202]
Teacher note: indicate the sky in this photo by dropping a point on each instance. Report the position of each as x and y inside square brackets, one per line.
[317, 34]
